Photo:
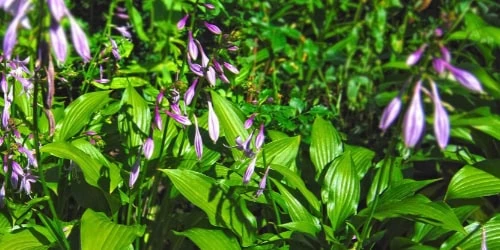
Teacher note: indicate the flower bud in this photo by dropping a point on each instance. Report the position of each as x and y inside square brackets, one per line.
[231, 68]
[198, 143]
[415, 56]
[414, 120]
[80, 40]
[189, 95]
[213, 123]
[250, 169]
[213, 28]
[148, 148]
[182, 22]
[441, 122]
[390, 113]
[259, 139]
[465, 78]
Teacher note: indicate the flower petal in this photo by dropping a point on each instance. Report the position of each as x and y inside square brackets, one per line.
[80, 40]
[441, 120]
[213, 123]
[414, 121]
[390, 114]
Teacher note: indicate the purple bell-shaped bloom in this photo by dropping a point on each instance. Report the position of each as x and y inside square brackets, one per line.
[465, 78]
[259, 139]
[148, 148]
[213, 28]
[439, 65]
[182, 22]
[414, 120]
[192, 48]
[213, 123]
[390, 114]
[198, 143]
[414, 57]
[250, 169]
[441, 121]
[58, 41]
[262, 183]
[184, 120]
[211, 77]
[57, 9]
[249, 121]
[79, 40]
[189, 95]
[134, 173]
[231, 68]
[445, 53]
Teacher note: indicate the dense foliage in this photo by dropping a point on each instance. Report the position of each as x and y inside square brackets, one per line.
[169, 124]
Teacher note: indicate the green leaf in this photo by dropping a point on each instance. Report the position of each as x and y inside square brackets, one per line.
[340, 190]
[296, 210]
[230, 121]
[403, 189]
[99, 232]
[326, 144]
[471, 182]
[301, 226]
[362, 158]
[223, 211]
[136, 18]
[294, 180]
[78, 114]
[94, 173]
[135, 121]
[474, 236]
[35, 237]
[211, 239]
[283, 152]
[123, 82]
[419, 208]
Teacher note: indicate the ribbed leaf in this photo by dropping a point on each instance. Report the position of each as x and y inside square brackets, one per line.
[389, 174]
[362, 158]
[91, 169]
[99, 232]
[203, 192]
[474, 236]
[471, 182]
[135, 120]
[78, 114]
[294, 180]
[36, 237]
[230, 121]
[282, 152]
[419, 208]
[296, 210]
[326, 144]
[403, 189]
[211, 239]
[340, 190]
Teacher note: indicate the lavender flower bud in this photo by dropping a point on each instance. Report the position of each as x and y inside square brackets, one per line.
[223, 78]
[182, 22]
[259, 139]
[414, 120]
[195, 68]
[26, 181]
[58, 41]
[80, 40]
[209, 6]
[175, 107]
[439, 65]
[204, 59]
[249, 121]
[192, 48]
[134, 173]
[179, 118]
[231, 68]
[158, 122]
[114, 49]
[148, 148]
[213, 28]
[31, 158]
[262, 183]
[198, 143]
[465, 78]
[57, 9]
[445, 53]
[249, 171]
[441, 122]
[438, 32]
[233, 48]
[211, 78]
[415, 56]
[390, 113]
[213, 123]
[16, 172]
[2, 195]
[123, 30]
[9, 40]
[217, 66]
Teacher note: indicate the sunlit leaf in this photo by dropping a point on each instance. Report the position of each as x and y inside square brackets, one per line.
[99, 232]
[35, 237]
[135, 120]
[326, 144]
[473, 238]
[471, 182]
[211, 239]
[282, 151]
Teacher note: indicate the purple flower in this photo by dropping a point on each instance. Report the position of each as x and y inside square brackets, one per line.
[415, 56]
[16, 172]
[10, 37]
[148, 148]
[262, 183]
[223, 78]
[58, 41]
[249, 121]
[158, 123]
[414, 120]
[57, 9]
[31, 158]
[192, 48]
[182, 22]
[194, 67]
[465, 78]
[204, 58]
[231, 68]
[233, 48]
[134, 173]
[114, 49]
[213, 123]
[217, 66]
[189, 95]
[213, 28]
[390, 113]
[245, 146]
[441, 122]
[211, 78]
[2, 195]
[259, 139]
[123, 30]
[26, 181]
[445, 53]
[439, 65]
[438, 32]
[79, 40]
[249, 171]
[184, 120]
[101, 76]
[209, 6]
[198, 143]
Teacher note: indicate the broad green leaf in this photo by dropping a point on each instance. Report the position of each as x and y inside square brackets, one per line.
[471, 182]
[326, 144]
[135, 119]
[419, 208]
[35, 237]
[474, 236]
[124, 82]
[5, 222]
[390, 172]
[301, 226]
[294, 180]
[486, 124]
[282, 152]
[221, 210]
[362, 158]
[477, 30]
[99, 232]
[403, 189]
[230, 121]
[78, 114]
[95, 174]
[211, 239]
[340, 190]
[296, 210]
[136, 18]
